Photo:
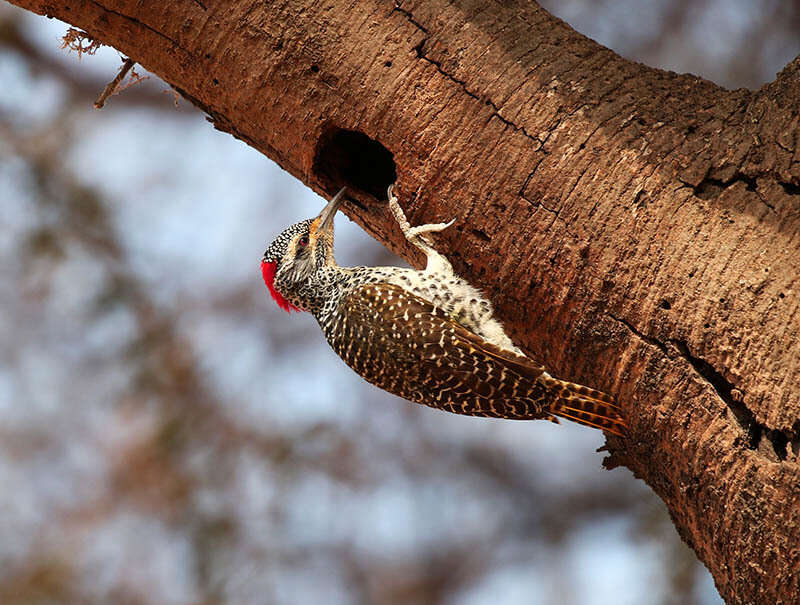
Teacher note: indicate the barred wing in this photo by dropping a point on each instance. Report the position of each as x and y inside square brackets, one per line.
[403, 344]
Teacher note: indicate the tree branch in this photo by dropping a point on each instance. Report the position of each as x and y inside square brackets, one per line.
[637, 229]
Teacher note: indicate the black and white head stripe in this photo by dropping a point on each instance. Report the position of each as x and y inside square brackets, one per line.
[277, 249]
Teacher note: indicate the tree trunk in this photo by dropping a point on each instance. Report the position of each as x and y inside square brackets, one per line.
[637, 229]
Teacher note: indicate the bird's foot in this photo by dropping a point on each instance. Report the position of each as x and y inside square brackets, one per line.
[429, 228]
[415, 235]
[418, 236]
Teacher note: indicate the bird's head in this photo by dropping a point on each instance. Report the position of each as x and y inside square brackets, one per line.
[296, 255]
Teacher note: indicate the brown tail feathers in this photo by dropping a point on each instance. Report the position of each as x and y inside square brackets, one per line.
[586, 406]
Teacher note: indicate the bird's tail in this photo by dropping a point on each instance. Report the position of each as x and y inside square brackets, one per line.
[585, 406]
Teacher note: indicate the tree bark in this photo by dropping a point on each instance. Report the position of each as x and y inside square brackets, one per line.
[637, 229]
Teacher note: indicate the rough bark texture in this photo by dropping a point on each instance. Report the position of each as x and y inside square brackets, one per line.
[637, 229]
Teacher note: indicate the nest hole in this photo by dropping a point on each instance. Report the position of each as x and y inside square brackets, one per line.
[352, 159]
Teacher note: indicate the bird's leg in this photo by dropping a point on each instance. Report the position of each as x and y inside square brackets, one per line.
[417, 236]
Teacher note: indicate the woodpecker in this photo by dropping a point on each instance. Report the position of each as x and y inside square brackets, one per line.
[427, 336]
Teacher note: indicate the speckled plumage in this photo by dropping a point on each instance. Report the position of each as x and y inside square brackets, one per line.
[427, 336]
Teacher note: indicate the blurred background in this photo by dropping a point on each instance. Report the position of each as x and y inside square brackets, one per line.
[168, 435]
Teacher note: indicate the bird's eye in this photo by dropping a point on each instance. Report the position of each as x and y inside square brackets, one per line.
[303, 241]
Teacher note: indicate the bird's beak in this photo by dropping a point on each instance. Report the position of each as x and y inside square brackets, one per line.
[325, 217]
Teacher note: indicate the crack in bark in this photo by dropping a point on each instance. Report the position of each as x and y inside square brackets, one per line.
[724, 389]
[419, 50]
[710, 188]
[790, 188]
[139, 23]
[597, 127]
[556, 213]
[465, 88]
[727, 392]
[641, 335]
[530, 176]
[410, 17]
[481, 235]
[572, 189]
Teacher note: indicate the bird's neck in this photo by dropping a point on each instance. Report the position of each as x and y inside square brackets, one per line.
[320, 293]
[323, 292]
